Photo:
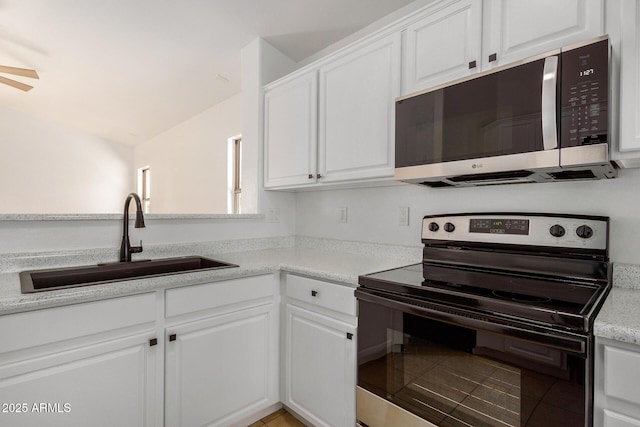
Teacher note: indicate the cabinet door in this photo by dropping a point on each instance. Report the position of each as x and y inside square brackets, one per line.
[514, 30]
[612, 419]
[357, 112]
[629, 80]
[222, 369]
[320, 368]
[443, 46]
[108, 384]
[290, 132]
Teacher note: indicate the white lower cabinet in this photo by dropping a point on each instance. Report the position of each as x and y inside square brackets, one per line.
[106, 363]
[617, 384]
[221, 361]
[90, 364]
[218, 370]
[201, 355]
[320, 352]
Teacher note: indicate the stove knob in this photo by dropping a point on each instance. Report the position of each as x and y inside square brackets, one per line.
[557, 230]
[584, 232]
[448, 227]
[433, 226]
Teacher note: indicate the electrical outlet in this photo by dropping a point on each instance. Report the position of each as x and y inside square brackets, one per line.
[273, 215]
[342, 214]
[403, 218]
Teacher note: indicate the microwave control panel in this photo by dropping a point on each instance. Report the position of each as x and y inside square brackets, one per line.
[585, 94]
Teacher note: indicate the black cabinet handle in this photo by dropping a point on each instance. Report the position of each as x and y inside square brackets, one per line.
[493, 57]
[310, 176]
[318, 176]
[314, 293]
[349, 336]
[153, 341]
[172, 337]
[472, 65]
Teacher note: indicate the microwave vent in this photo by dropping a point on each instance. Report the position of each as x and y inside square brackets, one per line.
[436, 184]
[574, 174]
[492, 176]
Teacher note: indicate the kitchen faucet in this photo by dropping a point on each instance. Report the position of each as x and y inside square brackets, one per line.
[125, 248]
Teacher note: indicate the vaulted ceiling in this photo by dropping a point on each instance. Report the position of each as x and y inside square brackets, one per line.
[126, 70]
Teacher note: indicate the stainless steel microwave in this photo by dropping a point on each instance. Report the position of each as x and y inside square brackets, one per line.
[541, 119]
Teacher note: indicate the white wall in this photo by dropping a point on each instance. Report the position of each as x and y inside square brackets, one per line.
[189, 161]
[48, 168]
[373, 213]
[261, 64]
[59, 236]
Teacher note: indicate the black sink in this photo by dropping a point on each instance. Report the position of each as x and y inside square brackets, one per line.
[61, 278]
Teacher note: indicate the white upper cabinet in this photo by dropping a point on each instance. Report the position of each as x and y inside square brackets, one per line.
[515, 30]
[443, 46]
[340, 128]
[357, 113]
[623, 18]
[332, 122]
[461, 37]
[290, 131]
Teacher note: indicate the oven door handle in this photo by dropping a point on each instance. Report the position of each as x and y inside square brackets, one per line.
[461, 317]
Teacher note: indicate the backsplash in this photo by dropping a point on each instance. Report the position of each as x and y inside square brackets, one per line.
[12, 263]
[626, 276]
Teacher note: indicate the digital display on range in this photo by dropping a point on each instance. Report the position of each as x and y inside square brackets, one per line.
[499, 226]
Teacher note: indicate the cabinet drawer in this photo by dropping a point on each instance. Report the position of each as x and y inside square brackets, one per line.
[621, 374]
[218, 294]
[328, 295]
[40, 327]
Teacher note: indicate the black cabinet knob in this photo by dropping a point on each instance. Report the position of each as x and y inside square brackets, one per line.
[172, 337]
[314, 293]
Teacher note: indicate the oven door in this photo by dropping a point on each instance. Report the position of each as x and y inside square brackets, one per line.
[419, 366]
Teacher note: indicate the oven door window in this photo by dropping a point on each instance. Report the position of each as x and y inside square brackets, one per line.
[455, 376]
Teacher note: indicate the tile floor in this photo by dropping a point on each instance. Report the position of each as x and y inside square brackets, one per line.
[279, 418]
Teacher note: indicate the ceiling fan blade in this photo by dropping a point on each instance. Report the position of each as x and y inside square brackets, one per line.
[15, 84]
[24, 72]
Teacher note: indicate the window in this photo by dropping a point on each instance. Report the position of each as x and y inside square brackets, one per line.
[144, 186]
[234, 175]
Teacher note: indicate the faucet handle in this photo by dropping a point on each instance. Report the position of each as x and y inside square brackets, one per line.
[136, 249]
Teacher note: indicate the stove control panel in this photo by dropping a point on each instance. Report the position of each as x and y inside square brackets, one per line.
[579, 231]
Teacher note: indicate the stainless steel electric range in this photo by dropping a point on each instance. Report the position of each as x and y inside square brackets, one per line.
[493, 328]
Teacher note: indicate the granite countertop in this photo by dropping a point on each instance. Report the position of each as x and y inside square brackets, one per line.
[619, 317]
[324, 261]
[336, 261]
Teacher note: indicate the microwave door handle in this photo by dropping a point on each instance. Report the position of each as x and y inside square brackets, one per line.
[549, 120]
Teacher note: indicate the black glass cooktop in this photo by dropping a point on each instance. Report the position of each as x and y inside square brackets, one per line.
[554, 301]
